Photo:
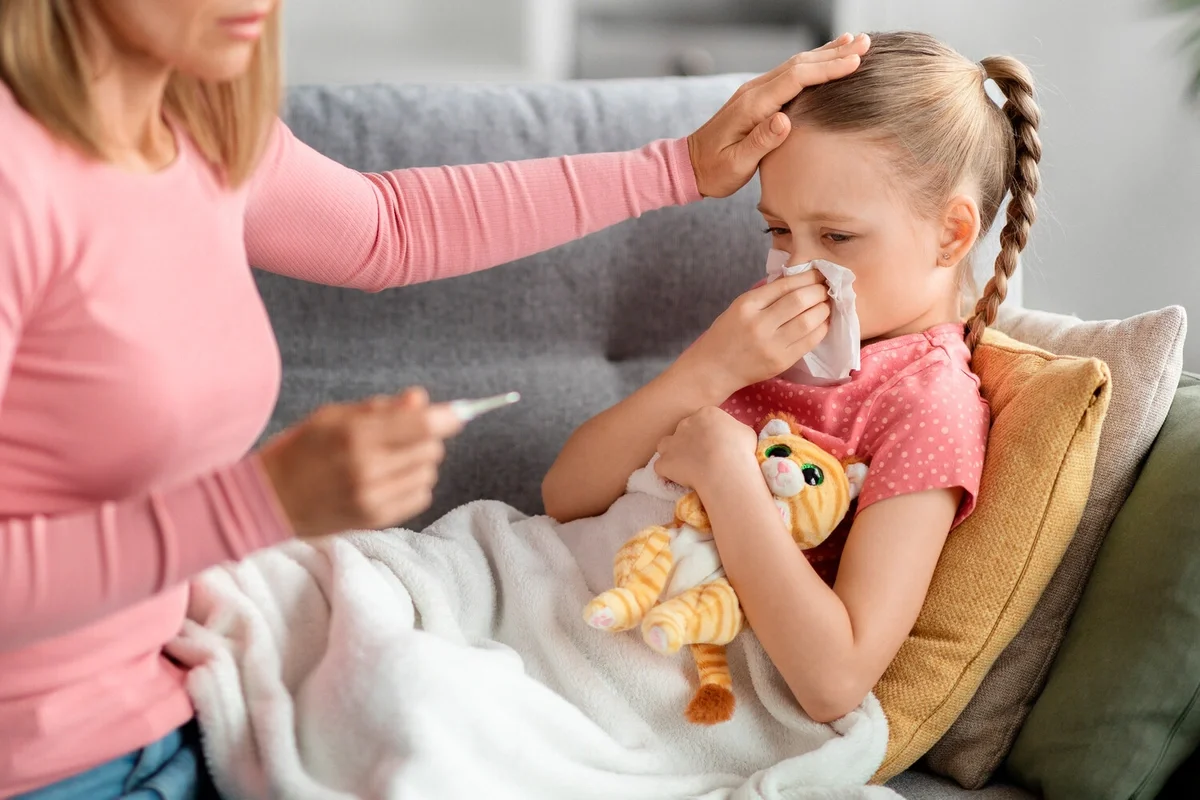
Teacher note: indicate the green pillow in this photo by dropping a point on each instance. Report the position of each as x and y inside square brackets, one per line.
[1185, 783]
[1119, 712]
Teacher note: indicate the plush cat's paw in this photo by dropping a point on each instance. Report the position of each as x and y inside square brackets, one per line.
[601, 616]
[856, 476]
[662, 639]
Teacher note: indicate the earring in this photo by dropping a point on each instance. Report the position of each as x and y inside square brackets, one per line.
[945, 256]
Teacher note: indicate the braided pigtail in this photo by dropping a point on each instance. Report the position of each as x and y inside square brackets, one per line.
[1025, 151]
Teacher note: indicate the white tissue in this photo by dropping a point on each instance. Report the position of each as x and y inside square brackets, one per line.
[838, 354]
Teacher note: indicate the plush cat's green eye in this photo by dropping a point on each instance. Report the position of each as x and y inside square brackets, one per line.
[813, 475]
[778, 451]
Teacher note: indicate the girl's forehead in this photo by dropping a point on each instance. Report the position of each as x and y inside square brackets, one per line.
[827, 176]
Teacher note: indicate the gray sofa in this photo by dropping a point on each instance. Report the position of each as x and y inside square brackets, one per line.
[574, 330]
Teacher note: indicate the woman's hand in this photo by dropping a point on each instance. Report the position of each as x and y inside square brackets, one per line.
[362, 465]
[705, 446]
[760, 335]
[726, 150]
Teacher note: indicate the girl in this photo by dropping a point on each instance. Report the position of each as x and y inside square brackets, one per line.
[893, 172]
[142, 166]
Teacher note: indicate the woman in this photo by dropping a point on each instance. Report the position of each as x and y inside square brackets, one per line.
[142, 168]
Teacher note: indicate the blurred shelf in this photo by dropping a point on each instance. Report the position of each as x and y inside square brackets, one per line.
[620, 50]
[415, 40]
[538, 40]
[814, 13]
[627, 38]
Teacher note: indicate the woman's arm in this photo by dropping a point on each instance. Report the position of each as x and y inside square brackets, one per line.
[346, 467]
[830, 645]
[351, 466]
[311, 218]
[60, 572]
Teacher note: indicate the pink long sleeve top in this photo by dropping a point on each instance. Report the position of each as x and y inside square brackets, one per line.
[138, 366]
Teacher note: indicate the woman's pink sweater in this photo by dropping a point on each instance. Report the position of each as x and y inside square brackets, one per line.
[137, 367]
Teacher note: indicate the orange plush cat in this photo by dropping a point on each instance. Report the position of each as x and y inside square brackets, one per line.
[670, 581]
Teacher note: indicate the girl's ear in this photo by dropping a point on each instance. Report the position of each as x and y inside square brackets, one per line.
[959, 230]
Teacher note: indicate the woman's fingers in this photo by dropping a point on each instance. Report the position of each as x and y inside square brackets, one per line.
[834, 44]
[391, 463]
[725, 151]
[405, 495]
[843, 46]
[399, 424]
[442, 422]
[760, 106]
[766, 136]
[771, 95]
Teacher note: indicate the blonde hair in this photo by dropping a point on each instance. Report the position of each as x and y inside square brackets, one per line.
[917, 93]
[44, 64]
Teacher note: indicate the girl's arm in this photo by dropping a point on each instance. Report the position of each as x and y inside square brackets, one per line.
[591, 470]
[830, 645]
[762, 333]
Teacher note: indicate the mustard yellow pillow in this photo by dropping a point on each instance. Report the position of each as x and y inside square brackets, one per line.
[1047, 412]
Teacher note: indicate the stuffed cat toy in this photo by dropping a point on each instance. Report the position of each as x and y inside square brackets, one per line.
[669, 579]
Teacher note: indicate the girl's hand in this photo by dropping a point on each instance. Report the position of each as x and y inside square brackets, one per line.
[726, 150]
[760, 335]
[705, 446]
[362, 465]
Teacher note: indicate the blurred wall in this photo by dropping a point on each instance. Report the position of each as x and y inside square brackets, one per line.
[1119, 224]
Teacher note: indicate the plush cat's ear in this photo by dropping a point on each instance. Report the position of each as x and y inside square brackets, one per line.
[775, 427]
[689, 511]
[856, 475]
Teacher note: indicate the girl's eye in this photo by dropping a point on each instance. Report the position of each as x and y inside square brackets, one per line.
[838, 238]
[776, 231]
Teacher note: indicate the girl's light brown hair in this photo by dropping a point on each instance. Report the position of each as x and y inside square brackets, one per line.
[44, 63]
[930, 103]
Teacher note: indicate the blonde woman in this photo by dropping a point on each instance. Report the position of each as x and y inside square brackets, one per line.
[142, 168]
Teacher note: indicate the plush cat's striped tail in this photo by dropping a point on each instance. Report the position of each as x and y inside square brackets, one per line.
[713, 701]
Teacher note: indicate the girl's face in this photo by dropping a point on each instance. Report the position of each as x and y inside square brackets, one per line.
[837, 196]
[213, 40]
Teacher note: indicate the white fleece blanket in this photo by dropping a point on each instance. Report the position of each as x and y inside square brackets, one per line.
[454, 663]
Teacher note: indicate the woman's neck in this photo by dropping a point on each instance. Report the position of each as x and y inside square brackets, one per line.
[126, 90]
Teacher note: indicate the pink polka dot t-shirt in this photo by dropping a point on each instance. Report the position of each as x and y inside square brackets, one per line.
[913, 413]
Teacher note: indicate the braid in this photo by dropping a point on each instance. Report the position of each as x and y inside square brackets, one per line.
[1015, 81]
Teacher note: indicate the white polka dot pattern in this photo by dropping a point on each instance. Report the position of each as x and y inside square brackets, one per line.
[913, 413]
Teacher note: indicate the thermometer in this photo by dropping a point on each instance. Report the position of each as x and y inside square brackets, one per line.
[468, 410]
